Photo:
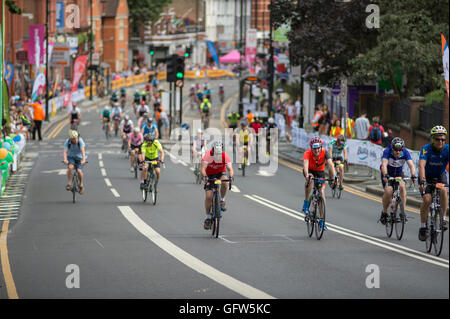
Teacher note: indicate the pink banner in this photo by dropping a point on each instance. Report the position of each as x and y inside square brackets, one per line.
[79, 67]
[36, 43]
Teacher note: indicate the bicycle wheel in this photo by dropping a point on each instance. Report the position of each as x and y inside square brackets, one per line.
[339, 190]
[244, 163]
[310, 220]
[74, 186]
[398, 219]
[216, 217]
[319, 230]
[107, 132]
[213, 219]
[154, 190]
[333, 190]
[430, 234]
[439, 233]
[389, 223]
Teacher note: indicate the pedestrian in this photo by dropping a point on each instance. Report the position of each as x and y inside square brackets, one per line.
[325, 120]
[336, 128]
[299, 112]
[362, 125]
[38, 117]
[376, 131]
[289, 113]
[316, 118]
[350, 127]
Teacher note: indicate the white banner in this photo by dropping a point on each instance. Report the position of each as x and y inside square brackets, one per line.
[58, 102]
[359, 152]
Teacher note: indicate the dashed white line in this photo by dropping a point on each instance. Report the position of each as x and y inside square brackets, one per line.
[103, 172]
[100, 163]
[115, 193]
[108, 182]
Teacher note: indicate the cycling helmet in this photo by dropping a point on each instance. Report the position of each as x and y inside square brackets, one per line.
[136, 130]
[106, 107]
[73, 134]
[340, 139]
[438, 129]
[74, 103]
[271, 120]
[244, 124]
[142, 103]
[316, 142]
[150, 119]
[127, 117]
[150, 137]
[217, 148]
[397, 143]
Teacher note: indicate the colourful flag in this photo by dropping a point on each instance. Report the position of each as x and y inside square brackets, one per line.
[79, 66]
[445, 59]
[39, 83]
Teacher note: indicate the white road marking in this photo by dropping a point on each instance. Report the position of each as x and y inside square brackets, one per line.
[115, 193]
[101, 163]
[99, 243]
[59, 171]
[235, 189]
[100, 156]
[108, 182]
[191, 261]
[103, 172]
[353, 234]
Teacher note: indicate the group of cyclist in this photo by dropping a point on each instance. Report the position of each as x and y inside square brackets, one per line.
[433, 162]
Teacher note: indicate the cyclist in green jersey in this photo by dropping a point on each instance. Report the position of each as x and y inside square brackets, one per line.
[150, 149]
[337, 148]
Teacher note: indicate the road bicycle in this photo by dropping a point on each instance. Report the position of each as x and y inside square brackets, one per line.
[74, 125]
[244, 159]
[336, 188]
[221, 96]
[216, 209]
[116, 119]
[205, 121]
[197, 165]
[123, 102]
[106, 128]
[151, 182]
[75, 182]
[396, 218]
[315, 202]
[435, 220]
[135, 163]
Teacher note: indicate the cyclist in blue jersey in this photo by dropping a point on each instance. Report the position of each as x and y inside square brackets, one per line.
[433, 160]
[149, 126]
[392, 161]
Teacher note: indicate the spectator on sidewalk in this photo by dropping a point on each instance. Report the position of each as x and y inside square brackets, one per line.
[39, 116]
[325, 120]
[362, 125]
[299, 112]
[316, 118]
[336, 129]
[289, 113]
[350, 127]
[376, 131]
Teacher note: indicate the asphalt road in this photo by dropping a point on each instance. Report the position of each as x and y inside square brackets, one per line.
[117, 246]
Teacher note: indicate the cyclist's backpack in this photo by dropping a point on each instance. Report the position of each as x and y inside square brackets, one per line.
[375, 134]
[205, 108]
[78, 144]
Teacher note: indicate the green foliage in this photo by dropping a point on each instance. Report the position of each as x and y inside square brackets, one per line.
[434, 96]
[12, 6]
[143, 11]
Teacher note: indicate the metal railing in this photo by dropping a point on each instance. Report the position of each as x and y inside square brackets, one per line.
[430, 116]
[401, 111]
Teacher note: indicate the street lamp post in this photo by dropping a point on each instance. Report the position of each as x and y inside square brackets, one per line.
[47, 67]
[90, 53]
[270, 67]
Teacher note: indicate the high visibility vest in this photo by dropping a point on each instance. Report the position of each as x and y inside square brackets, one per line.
[316, 118]
[350, 132]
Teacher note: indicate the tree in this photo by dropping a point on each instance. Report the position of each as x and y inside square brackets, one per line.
[12, 6]
[143, 11]
[325, 36]
[409, 40]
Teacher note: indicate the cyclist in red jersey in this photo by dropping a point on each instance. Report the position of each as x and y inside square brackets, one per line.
[214, 165]
[314, 160]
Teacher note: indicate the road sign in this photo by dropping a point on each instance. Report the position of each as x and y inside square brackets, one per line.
[179, 83]
[61, 54]
[95, 58]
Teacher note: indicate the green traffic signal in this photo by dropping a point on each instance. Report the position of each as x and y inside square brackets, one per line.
[186, 55]
[180, 75]
[152, 52]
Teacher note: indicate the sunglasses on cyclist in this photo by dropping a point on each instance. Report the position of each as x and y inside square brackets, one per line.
[439, 139]
[397, 147]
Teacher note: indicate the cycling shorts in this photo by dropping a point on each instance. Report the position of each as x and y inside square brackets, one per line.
[210, 186]
[153, 159]
[76, 161]
[133, 147]
[391, 183]
[441, 179]
[339, 158]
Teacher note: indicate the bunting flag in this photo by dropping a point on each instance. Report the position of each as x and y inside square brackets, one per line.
[38, 86]
[79, 66]
[445, 59]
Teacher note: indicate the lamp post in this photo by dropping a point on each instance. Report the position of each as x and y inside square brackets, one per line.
[270, 67]
[47, 67]
[91, 44]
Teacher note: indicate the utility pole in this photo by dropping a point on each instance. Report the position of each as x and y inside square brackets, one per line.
[47, 67]
[270, 67]
[91, 45]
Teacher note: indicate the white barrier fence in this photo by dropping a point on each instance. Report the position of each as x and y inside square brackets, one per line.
[63, 101]
[359, 152]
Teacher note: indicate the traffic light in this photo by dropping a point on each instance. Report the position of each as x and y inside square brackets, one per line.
[179, 67]
[170, 63]
[188, 52]
[151, 50]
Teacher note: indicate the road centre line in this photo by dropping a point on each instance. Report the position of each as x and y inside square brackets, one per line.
[100, 156]
[108, 182]
[189, 260]
[357, 233]
[115, 193]
[103, 172]
[100, 163]
[362, 237]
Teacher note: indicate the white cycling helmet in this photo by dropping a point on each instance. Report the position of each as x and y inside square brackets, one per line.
[217, 148]
[73, 134]
[106, 107]
[271, 120]
[136, 130]
[127, 117]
